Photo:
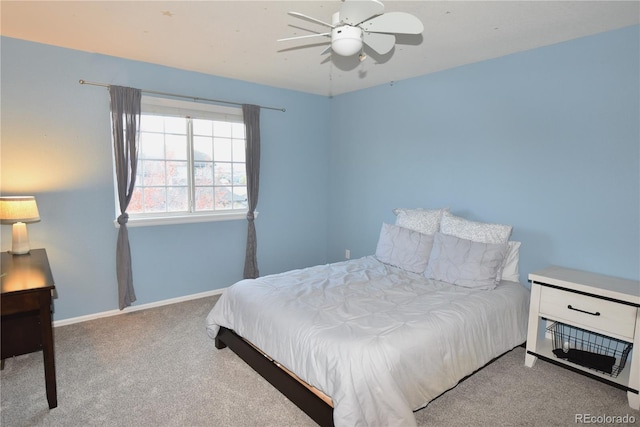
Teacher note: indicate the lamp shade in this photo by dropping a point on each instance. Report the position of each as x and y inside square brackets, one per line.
[18, 209]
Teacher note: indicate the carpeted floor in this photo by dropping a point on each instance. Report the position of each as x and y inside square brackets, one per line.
[158, 367]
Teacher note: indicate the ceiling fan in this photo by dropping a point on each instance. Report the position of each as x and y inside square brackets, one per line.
[361, 22]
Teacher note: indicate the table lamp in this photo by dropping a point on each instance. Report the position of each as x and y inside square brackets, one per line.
[18, 211]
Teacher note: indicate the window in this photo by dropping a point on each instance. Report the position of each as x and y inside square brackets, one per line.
[191, 163]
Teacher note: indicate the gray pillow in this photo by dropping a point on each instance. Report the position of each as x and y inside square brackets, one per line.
[465, 262]
[404, 248]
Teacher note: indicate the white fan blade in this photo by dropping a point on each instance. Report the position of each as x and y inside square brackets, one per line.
[353, 12]
[327, 50]
[394, 22]
[381, 43]
[308, 18]
[303, 37]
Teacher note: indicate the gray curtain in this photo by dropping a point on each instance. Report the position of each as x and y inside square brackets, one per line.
[125, 120]
[251, 115]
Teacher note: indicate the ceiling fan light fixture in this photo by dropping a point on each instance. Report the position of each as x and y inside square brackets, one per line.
[346, 40]
[363, 22]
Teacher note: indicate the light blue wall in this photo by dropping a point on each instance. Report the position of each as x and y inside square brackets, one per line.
[56, 146]
[546, 140]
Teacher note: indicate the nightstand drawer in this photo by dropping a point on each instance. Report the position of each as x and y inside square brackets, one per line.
[588, 312]
[20, 302]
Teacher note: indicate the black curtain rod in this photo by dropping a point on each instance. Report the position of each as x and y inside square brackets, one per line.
[193, 98]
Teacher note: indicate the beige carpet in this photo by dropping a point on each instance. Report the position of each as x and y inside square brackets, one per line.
[158, 367]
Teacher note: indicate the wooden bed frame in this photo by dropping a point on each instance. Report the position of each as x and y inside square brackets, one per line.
[316, 405]
[298, 392]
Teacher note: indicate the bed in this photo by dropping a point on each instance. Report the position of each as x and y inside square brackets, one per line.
[370, 340]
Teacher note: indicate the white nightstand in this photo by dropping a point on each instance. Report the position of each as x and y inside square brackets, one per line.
[601, 304]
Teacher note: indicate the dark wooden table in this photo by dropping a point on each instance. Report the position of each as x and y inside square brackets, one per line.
[27, 285]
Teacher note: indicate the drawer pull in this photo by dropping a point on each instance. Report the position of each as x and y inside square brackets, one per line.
[597, 313]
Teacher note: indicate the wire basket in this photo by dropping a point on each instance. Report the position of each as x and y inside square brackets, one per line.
[589, 349]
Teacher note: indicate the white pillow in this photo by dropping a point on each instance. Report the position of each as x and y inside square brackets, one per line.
[404, 248]
[464, 262]
[472, 230]
[510, 270]
[425, 221]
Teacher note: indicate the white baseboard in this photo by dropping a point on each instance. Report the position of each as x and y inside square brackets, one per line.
[131, 309]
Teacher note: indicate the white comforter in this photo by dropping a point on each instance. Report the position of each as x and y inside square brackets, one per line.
[381, 342]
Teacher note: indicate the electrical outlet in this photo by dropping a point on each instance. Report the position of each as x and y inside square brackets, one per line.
[347, 254]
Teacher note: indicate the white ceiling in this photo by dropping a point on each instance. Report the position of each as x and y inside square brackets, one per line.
[237, 39]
